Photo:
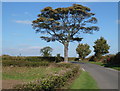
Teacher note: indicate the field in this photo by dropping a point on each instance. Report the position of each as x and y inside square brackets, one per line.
[15, 75]
[33, 73]
[27, 73]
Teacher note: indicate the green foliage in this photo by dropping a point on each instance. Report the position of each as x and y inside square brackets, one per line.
[24, 63]
[101, 47]
[28, 58]
[59, 58]
[65, 24]
[28, 61]
[113, 60]
[83, 50]
[62, 64]
[46, 51]
[52, 82]
[73, 59]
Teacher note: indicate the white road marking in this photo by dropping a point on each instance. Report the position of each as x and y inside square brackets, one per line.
[83, 69]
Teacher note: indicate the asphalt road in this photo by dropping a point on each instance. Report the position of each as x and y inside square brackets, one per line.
[106, 78]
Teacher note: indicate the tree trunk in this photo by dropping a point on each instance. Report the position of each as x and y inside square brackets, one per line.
[66, 52]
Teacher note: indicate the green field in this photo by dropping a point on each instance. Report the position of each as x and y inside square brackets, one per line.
[27, 73]
[84, 81]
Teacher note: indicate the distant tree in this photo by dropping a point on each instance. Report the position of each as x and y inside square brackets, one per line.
[83, 50]
[46, 51]
[5, 55]
[65, 24]
[101, 47]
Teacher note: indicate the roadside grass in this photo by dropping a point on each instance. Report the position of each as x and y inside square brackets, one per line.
[116, 68]
[98, 63]
[109, 66]
[84, 81]
[27, 73]
[113, 67]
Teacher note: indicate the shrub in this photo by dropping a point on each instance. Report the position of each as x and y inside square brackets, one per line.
[76, 59]
[24, 63]
[32, 58]
[114, 60]
[71, 58]
[59, 58]
[92, 58]
[52, 82]
[62, 64]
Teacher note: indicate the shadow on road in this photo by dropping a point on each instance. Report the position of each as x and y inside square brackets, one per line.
[77, 62]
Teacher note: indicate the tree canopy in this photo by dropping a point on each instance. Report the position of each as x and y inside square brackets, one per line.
[83, 50]
[46, 51]
[101, 47]
[65, 24]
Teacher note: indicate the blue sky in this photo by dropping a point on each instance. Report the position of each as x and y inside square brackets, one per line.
[18, 36]
[59, 0]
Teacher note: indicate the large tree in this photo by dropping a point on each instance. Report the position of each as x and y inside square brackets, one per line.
[83, 50]
[65, 24]
[46, 51]
[101, 47]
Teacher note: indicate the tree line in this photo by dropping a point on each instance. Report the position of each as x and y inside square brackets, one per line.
[100, 48]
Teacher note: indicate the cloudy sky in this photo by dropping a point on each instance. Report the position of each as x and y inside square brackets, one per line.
[18, 36]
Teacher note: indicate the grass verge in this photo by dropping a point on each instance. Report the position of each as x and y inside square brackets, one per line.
[102, 64]
[84, 81]
[98, 63]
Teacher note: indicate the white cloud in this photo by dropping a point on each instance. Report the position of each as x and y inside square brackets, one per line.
[23, 21]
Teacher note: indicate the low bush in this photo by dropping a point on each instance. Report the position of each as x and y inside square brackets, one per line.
[62, 64]
[73, 59]
[52, 82]
[59, 58]
[91, 58]
[100, 59]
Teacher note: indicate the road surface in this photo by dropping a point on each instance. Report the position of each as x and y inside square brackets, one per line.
[106, 78]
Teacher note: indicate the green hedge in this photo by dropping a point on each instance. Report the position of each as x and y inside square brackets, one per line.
[113, 60]
[33, 58]
[24, 63]
[52, 82]
[73, 59]
[32, 61]
[66, 65]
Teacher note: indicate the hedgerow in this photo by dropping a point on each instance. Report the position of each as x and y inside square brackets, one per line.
[24, 63]
[113, 60]
[52, 82]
